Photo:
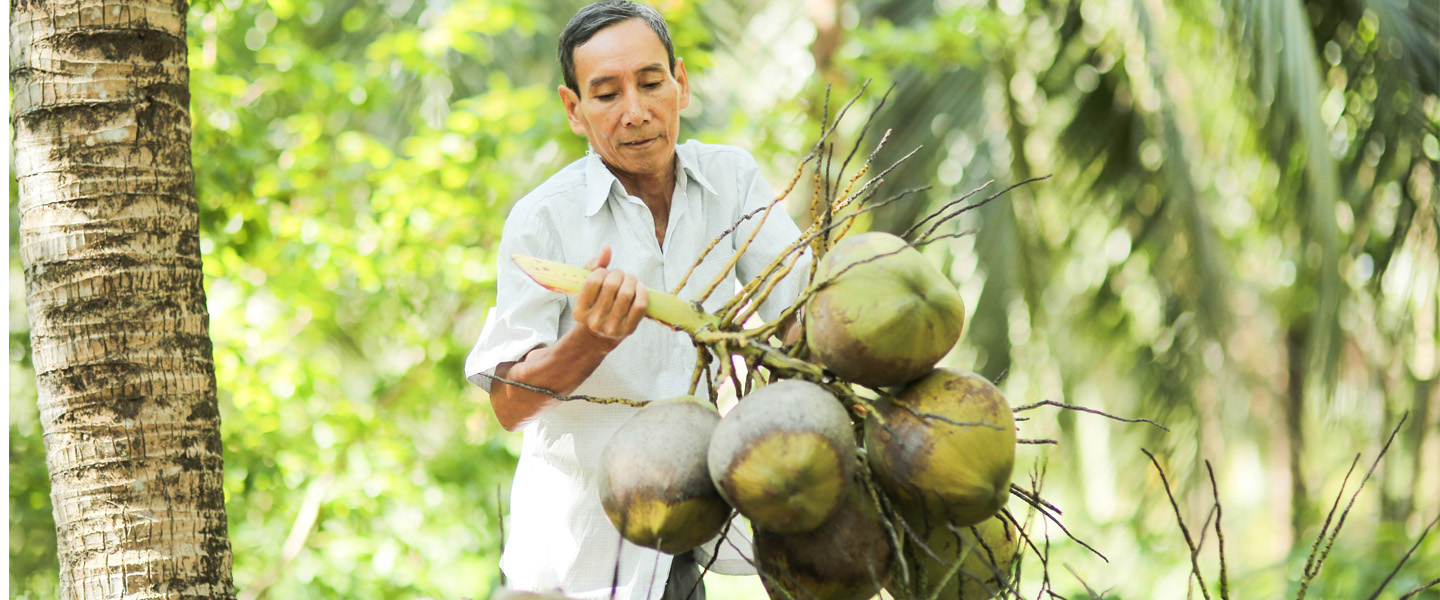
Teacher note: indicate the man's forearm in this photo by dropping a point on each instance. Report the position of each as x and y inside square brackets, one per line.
[560, 368]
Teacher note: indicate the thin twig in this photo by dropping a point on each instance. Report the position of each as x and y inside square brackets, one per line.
[713, 244]
[1088, 589]
[1325, 526]
[1039, 442]
[1319, 562]
[865, 128]
[1219, 534]
[1086, 410]
[979, 204]
[933, 239]
[1392, 574]
[1037, 505]
[590, 399]
[1416, 592]
[941, 210]
[724, 531]
[1034, 497]
[1194, 551]
[769, 208]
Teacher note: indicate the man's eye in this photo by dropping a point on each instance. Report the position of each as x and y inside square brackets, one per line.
[605, 97]
[651, 86]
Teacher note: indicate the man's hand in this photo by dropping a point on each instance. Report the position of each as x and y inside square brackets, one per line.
[611, 303]
[609, 308]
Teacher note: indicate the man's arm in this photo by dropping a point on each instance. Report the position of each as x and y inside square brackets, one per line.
[608, 309]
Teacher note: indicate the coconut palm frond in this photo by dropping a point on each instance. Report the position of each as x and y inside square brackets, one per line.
[1285, 77]
[1415, 27]
[955, 97]
[1182, 189]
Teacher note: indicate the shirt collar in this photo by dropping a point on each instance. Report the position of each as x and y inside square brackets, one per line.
[600, 183]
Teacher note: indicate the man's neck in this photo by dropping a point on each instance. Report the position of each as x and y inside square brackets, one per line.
[654, 190]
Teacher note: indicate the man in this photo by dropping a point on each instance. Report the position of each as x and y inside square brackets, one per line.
[639, 210]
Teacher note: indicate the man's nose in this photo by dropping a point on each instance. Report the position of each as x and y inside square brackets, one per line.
[635, 113]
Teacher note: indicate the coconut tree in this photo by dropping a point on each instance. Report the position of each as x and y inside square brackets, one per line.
[1186, 139]
[119, 327]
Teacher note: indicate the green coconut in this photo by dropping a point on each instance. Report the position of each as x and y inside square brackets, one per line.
[654, 482]
[975, 562]
[784, 456]
[882, 322]
[846, 558]
[947, 449]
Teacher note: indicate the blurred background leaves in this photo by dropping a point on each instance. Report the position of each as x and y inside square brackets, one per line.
[1239, 239]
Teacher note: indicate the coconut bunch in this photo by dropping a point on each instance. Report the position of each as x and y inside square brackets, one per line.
[859, 463]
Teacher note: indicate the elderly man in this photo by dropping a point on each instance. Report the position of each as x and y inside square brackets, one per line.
[639, 210]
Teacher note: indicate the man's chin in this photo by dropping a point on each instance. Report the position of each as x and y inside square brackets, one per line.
[653, 161]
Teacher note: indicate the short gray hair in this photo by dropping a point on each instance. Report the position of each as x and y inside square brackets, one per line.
[591, 19]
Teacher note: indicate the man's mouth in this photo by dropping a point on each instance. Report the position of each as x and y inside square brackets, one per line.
[640, 143]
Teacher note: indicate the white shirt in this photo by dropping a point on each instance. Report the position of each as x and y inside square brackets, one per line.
[559, 536]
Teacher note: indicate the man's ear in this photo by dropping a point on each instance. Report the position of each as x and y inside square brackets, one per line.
[682, 80]
[572, 109]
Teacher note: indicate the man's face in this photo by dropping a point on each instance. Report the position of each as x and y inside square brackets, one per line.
[629, 103]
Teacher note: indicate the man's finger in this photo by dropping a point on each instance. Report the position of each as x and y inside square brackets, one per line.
[590, 291]
[606, 300]
[601, 260]
[624, 297]
[637, 309]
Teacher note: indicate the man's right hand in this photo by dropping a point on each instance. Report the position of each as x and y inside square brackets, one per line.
[611, 303]
[609, 308]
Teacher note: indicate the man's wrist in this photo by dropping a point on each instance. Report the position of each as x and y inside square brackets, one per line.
[596, 342]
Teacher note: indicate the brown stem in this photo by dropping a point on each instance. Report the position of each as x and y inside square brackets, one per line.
[1185, 531]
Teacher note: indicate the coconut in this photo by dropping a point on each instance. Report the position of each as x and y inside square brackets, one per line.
[983, 553]
[784, 456]
[846, 558]
[654, 482]
[947, 447]
[882, 322]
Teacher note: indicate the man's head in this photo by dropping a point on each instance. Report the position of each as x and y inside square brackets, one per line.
[591, 19]
[624, 88]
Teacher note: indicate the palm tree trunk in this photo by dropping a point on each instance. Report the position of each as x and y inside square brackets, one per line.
[109, 231]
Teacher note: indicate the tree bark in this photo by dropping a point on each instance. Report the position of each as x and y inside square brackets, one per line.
[109, 231]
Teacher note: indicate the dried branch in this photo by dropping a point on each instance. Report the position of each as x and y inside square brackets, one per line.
[724, 531]
[1086, 410]
[931, 240]
[1320, 561]
[1324, 527]
[1392, 574]
[1194, 550]
[976, 205]
[1416, 592]
[1088, 589]
[1219, 534]
[799, 170]
[942, 209]
[590, 399]
[713, 244]
[1039, 505]
[865, 128]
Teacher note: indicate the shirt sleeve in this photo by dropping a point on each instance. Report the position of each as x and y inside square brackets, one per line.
[525, 316]
[776, 235]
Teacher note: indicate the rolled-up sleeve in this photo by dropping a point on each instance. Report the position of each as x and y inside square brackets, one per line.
[776, 234]
[525, 316]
